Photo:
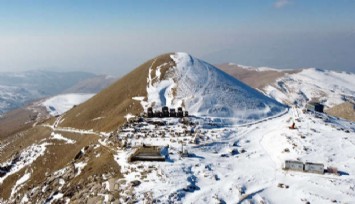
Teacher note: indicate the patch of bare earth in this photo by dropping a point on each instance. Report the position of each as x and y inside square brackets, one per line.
[252, 77]
[344, 110]
[21, 119]
[106, 110]
[45, 181]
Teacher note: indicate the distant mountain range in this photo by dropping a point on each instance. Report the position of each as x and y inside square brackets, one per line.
[19, 89]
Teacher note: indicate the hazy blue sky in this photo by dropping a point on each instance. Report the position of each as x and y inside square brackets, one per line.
[113, 37]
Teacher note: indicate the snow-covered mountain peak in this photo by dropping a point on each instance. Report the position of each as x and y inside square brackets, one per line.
[204, 90]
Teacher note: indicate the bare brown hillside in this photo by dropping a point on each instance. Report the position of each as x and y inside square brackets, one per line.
[252, 77]
[58, 164]
[14, 121]
[21, 119]
[345, 110]
[91, 85]
[106, 110]
[58, 155]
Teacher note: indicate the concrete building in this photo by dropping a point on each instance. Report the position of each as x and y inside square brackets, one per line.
[314, 168]
[293, 165]
[149, 153]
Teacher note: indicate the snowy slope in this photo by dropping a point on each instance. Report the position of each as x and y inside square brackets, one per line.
[58, 105]
[259, 69]
[329, 87]
[243, 164]
[206, 91]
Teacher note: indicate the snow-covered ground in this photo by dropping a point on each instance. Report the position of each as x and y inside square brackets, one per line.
[25, 158]
[19, 182]
[329, 87]
[243, 163]
[240, 160]
[79, 167]
[58, 105]
[57, 136]
[259, 69]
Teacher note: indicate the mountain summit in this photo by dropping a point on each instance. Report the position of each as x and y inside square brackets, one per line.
[205, 90]
[175, 80]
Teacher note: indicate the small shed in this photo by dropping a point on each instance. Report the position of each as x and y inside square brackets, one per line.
[149, 153]
[293, 165]
[315, 106]
[314, 168]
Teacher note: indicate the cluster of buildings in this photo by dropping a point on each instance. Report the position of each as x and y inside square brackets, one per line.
[165, 113]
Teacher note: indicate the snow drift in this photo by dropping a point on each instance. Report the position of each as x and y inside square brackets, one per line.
[58, 105]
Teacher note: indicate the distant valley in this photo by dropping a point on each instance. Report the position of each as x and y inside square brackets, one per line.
[20, 89]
